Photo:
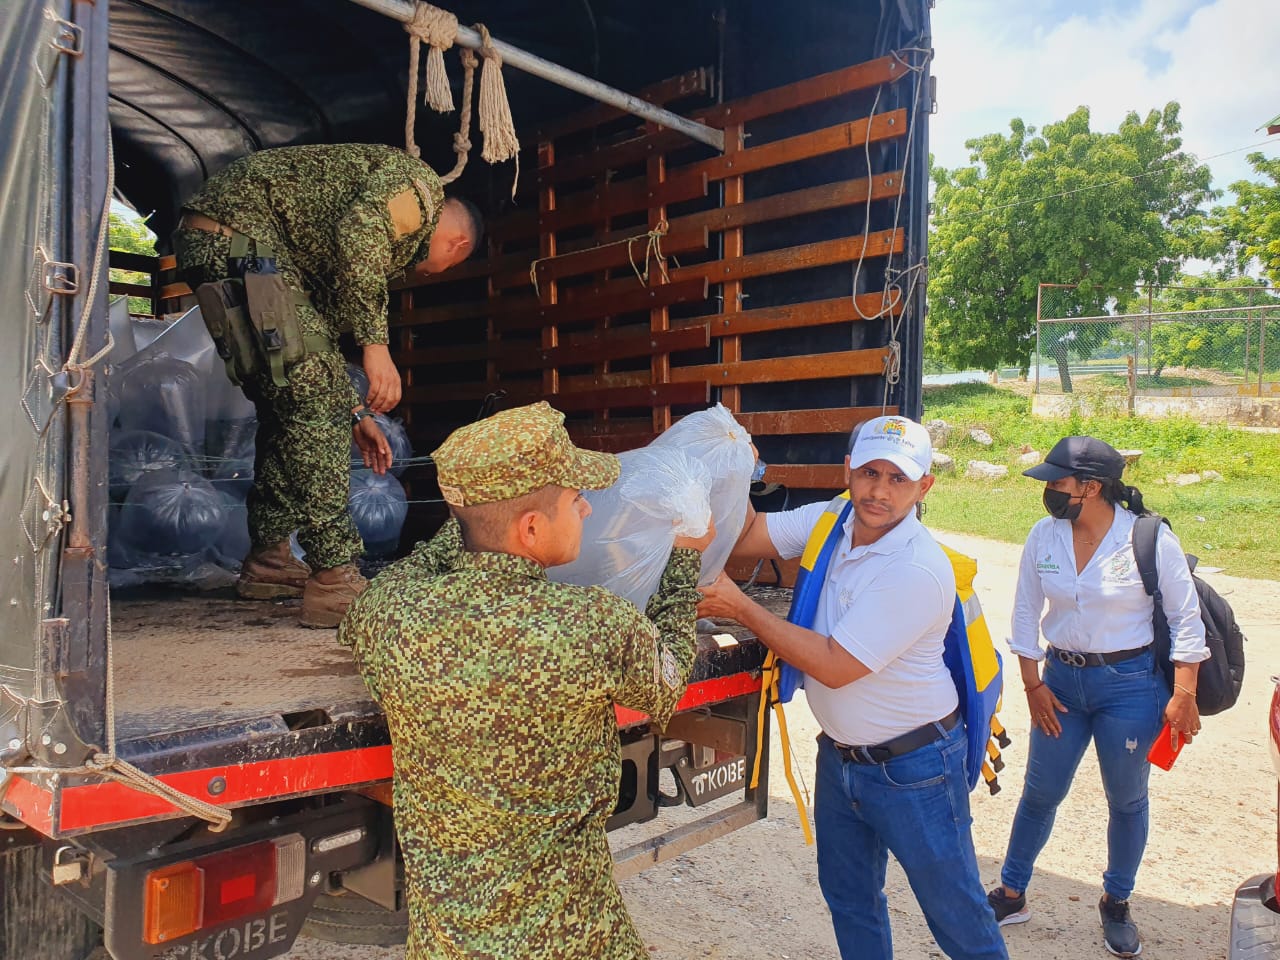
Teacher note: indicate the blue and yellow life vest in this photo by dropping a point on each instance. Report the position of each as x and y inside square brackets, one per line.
[968, 652]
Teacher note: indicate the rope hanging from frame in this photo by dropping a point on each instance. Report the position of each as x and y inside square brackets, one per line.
[438, 29]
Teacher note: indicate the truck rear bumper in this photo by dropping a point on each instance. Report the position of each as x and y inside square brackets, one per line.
[1255, 921]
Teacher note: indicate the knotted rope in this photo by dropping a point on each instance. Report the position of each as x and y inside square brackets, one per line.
[439, 30]
[652, 253]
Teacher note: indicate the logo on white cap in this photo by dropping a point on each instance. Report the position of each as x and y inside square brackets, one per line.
[902, 442]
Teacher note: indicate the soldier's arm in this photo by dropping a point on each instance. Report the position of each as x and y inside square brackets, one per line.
[436, 556]
[658, 649]
[388, 209]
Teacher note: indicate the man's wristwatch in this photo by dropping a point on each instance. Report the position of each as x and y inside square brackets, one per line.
[360, 413]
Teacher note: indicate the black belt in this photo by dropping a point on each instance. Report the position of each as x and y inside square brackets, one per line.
[911, 740]
[1073, 658]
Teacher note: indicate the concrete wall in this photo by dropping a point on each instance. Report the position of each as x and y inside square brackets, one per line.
[1245, 411]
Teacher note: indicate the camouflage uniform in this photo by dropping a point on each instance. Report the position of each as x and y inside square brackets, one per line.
[499, 688]
[341, 220]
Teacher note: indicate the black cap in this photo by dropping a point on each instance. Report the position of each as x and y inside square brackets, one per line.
[1082, 457]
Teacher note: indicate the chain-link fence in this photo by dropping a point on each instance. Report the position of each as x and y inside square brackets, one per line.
[1172, 340]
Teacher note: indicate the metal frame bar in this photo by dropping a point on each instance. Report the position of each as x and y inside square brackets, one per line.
[402, 10]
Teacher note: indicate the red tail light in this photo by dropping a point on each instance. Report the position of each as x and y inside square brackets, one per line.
[209, 891]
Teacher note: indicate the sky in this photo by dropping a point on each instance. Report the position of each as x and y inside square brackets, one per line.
[1040, 59]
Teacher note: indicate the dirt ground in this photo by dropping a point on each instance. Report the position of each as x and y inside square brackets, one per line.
[753, 895]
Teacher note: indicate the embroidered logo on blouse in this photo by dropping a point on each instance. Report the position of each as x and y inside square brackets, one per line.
[1047, 565]
[1118, 566]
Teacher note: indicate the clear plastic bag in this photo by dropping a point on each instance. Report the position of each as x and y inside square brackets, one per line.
[723, 446]
[172, 512]
[233, 543]
[378, 507]
[662, 493]
[135, 453]
[165, 395]
[229, 454]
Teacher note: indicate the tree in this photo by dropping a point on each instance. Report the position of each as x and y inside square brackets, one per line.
[1070, 205]
[1225, 340]
[1250, 228]
[131, 236]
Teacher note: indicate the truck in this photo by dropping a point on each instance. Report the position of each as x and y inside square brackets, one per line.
[714, 202]
[1255, 909]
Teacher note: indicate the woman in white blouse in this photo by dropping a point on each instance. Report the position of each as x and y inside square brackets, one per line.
[1100, 682]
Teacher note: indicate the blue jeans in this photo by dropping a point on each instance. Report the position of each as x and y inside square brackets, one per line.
[916, 807]
[1120, 707]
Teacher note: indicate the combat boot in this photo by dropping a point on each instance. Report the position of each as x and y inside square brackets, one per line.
[272, 573]
[328, 594]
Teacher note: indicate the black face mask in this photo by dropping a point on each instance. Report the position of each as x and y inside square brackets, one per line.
[1058, 504]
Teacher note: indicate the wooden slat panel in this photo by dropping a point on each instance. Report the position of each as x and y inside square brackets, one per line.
[590, 302]
[612, 436]
[815, 366]
[606, 257]
[606, 345]
[137, 262]
[863, 76]
[825, 86]
[464, 353]
[812, 476]
[497, 307]
[167, 262]
[658, 394]
[619, 297]
[853, 133]
[431, 392]
[828, 196]
[845, 250]
[628, 196]
[816, 313]
[845, 193]
[131, 289]
[587, 206]
[475, 267]
[844, 136]
[612, 443]
[605, 380]
[825, 420]
[625, 154]
[172, 291]
[688, 84]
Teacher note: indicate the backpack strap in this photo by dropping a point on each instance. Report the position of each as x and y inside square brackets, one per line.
[1146, 531]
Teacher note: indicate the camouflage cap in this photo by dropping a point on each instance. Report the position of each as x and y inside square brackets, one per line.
[516, 452]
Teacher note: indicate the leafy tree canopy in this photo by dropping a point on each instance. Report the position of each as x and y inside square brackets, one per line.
[1249, 229]
[131, 235]
[1069, 204]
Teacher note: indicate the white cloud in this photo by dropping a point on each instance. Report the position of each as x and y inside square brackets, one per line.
[1218, 59]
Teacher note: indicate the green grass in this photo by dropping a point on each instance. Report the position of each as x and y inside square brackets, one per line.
[1229, 523]
[1121, 382]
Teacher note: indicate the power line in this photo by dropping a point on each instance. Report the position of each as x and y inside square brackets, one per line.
[1097, 186]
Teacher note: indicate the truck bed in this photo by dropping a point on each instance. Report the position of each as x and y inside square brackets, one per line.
[231, 701]
[216, 663]
[203, 661]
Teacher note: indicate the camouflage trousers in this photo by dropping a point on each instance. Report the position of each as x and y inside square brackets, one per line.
[302, 460]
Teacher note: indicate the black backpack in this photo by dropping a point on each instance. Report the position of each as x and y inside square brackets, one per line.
[1220, 677]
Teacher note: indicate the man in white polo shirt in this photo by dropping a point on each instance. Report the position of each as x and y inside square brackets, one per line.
[891, 759]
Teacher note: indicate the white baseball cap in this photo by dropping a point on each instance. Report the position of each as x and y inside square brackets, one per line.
[902, 442]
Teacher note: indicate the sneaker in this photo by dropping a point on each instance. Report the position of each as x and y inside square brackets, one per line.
[272, 573]
[1008, 909]
[325, 601]
[1119, 933]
